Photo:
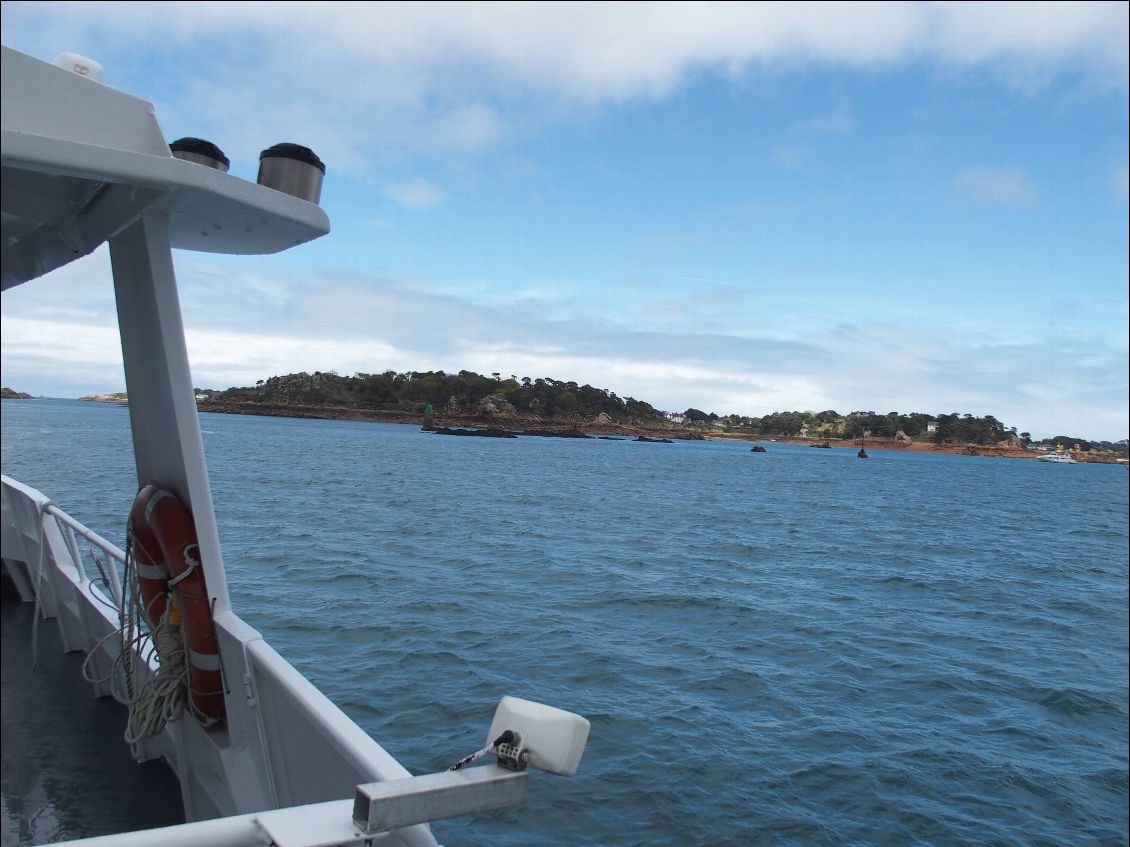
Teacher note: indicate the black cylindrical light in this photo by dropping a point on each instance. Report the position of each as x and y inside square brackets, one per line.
[200, 151]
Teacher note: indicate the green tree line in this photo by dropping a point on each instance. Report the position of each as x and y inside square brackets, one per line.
[411, 391]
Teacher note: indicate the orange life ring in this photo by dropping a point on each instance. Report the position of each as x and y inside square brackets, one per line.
[171, 524]
[152, 569]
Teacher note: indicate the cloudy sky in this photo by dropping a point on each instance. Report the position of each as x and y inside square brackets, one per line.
[742, 207]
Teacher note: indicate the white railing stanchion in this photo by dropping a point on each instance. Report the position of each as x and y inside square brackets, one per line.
[95, 540]
[72, 546]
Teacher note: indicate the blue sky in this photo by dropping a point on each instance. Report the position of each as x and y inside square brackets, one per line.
[741, 208]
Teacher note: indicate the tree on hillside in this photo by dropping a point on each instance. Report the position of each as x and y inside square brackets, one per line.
[784, 423]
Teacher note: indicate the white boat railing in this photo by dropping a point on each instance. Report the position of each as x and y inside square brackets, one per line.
[110, 575]
[41, 550]
[309, 748]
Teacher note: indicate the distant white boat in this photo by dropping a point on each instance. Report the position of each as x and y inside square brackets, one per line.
[1059, 457]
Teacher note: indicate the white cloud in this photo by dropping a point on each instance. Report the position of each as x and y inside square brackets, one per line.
[469, 127]
[416, 193]
[69, 341]
[796, 150]
[225, 359]
[1031, 33]
[1001, 186]
[366, 82]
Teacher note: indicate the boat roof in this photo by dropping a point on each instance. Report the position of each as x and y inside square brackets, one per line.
[82, 160]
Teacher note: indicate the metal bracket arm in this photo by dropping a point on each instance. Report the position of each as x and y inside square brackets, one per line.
[383, 806]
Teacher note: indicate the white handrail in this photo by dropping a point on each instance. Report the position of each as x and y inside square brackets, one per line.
[68, 528]
[87, 533]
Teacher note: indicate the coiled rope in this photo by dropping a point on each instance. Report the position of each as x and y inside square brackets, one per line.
[164, 695]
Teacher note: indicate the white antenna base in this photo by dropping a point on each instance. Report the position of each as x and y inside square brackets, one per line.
[81, 65]
[550, 739]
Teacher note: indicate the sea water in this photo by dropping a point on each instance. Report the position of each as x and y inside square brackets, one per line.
[795, 647]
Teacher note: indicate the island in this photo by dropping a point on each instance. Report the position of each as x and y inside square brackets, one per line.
[117, 398]
[467, 403]
[11, 394]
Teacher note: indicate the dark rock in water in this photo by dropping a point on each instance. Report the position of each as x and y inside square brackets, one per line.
[647, 440]
[862, 454]
[610, 437]
[556, 433]
[757, 448]
[825, 444]
[489, 432]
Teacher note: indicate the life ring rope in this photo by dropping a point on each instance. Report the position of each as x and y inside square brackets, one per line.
[193, 564]
[174, 591]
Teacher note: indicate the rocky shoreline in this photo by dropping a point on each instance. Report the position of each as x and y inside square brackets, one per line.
[502, 423]
[1001, 451]
[604, 427]
[511, 426]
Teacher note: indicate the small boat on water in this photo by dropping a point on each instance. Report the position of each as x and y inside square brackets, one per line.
[1059, 457]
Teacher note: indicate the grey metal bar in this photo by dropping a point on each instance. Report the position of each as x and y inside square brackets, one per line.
[382, 806]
